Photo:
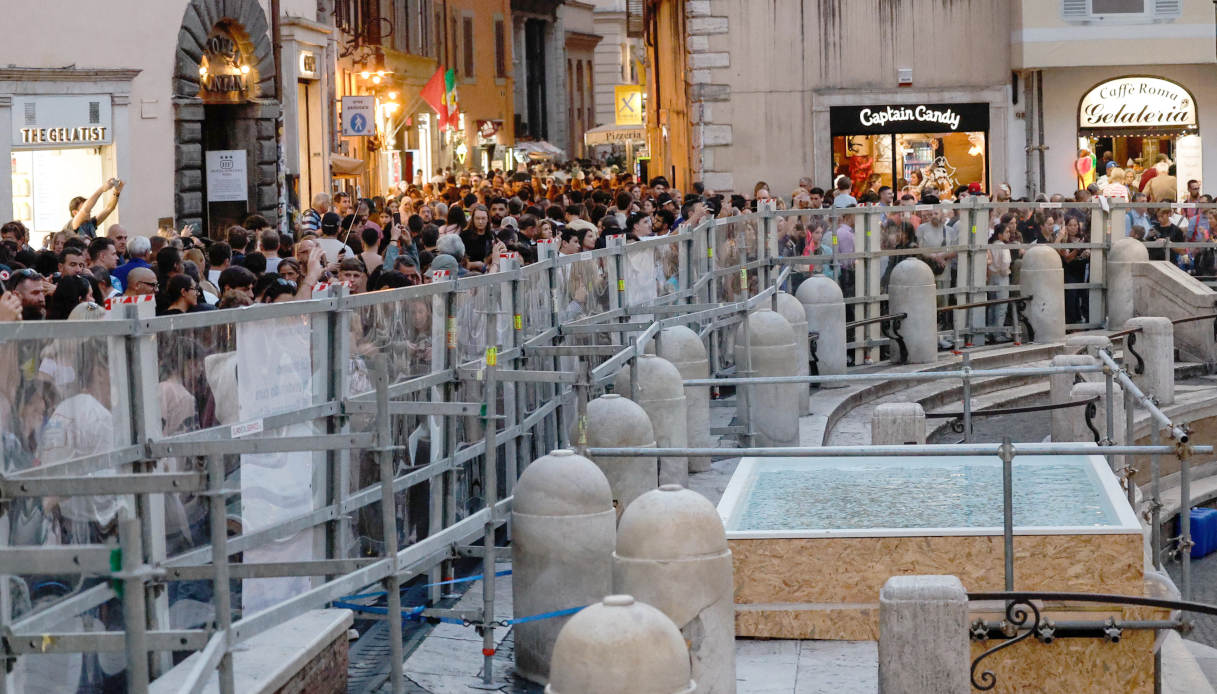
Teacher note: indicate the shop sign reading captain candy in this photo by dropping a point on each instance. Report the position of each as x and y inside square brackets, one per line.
[878, 119]
[918, 114]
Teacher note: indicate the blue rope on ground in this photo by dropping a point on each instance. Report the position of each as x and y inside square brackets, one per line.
[416, 614]
[539, 617]
[381, 593]
[468, 579]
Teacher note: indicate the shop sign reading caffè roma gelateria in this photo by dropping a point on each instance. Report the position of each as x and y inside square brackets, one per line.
[1142, 103]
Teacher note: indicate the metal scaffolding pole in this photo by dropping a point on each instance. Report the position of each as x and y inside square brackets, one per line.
[388, 519]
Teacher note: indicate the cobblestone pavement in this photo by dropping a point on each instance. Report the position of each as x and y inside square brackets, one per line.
[1204, 589]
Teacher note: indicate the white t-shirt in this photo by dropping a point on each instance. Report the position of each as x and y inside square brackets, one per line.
[331, 247]
[80, 426]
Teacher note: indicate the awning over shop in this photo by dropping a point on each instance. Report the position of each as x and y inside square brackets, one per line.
[540, 149]
[614, 135]
[342, 165]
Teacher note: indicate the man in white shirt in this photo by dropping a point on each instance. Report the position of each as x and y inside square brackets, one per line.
[329, 242]
[933, 234]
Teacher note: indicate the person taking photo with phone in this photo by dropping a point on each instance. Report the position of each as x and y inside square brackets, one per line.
[83, 221]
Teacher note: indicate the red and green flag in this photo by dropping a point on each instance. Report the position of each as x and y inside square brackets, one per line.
[440, 94]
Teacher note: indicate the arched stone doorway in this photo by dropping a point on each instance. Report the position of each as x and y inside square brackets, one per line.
[224, 86]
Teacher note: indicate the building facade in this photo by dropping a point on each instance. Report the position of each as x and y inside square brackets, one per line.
[189, 78]
[794, 91]
[901, 92]
[619, 54]
[188, 109]
[540, 71]
[578, 21]
[481, 53]
[1136, 82]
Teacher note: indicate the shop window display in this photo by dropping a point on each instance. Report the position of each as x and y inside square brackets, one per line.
[907, 162]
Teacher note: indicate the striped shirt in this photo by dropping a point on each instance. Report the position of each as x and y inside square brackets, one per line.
[310, 221]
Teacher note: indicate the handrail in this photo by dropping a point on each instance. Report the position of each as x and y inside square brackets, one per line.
[875, 319]
[1023, 615]
[1203, 316]
[1091, 405]
[1020, 310]
[1190, 319]
[889, 325]
[1130, 343]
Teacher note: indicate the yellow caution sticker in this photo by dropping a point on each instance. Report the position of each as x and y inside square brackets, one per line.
[621, 285]
[710, 252]
[451, 331]
[519, 321]
[743, 279]
[492, 356]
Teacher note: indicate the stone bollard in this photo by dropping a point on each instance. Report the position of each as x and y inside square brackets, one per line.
[563, 532]
[661, 392]
[1156, 345]
[685, 350]
[1121, 287]
[620, 645]
[923, 636]
[1077, 416]
[1043, 281]
[897, 424]
[1088, 344]
[771, 408]
[824, 307]
[615, 421]
[912, 291]
[672, 553]
[792, 310]
[1059, 387]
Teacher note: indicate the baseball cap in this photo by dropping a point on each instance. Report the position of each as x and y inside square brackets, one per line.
[974, 188]
[443, 261]
[329, 222]
[511, 222]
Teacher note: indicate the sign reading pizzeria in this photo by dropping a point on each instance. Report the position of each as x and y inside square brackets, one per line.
[909, 118]
[1137, 103]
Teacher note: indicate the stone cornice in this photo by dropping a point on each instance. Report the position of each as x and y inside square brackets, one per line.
[66, 74]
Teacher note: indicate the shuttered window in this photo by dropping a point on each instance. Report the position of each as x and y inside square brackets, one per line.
[1127, 10]
[467, 44]
[500, 49]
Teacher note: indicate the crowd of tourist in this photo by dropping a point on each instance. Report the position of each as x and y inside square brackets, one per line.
[454, 226]
[58, 397]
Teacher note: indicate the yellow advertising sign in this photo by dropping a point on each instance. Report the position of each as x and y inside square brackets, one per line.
[628, 104]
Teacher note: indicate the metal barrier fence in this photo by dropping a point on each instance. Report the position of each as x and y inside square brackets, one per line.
[183, 483]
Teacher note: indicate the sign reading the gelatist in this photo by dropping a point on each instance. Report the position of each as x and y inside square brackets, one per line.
[1137, 102]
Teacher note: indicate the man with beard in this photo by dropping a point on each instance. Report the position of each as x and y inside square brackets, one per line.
[31, 288]
[498, 212]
